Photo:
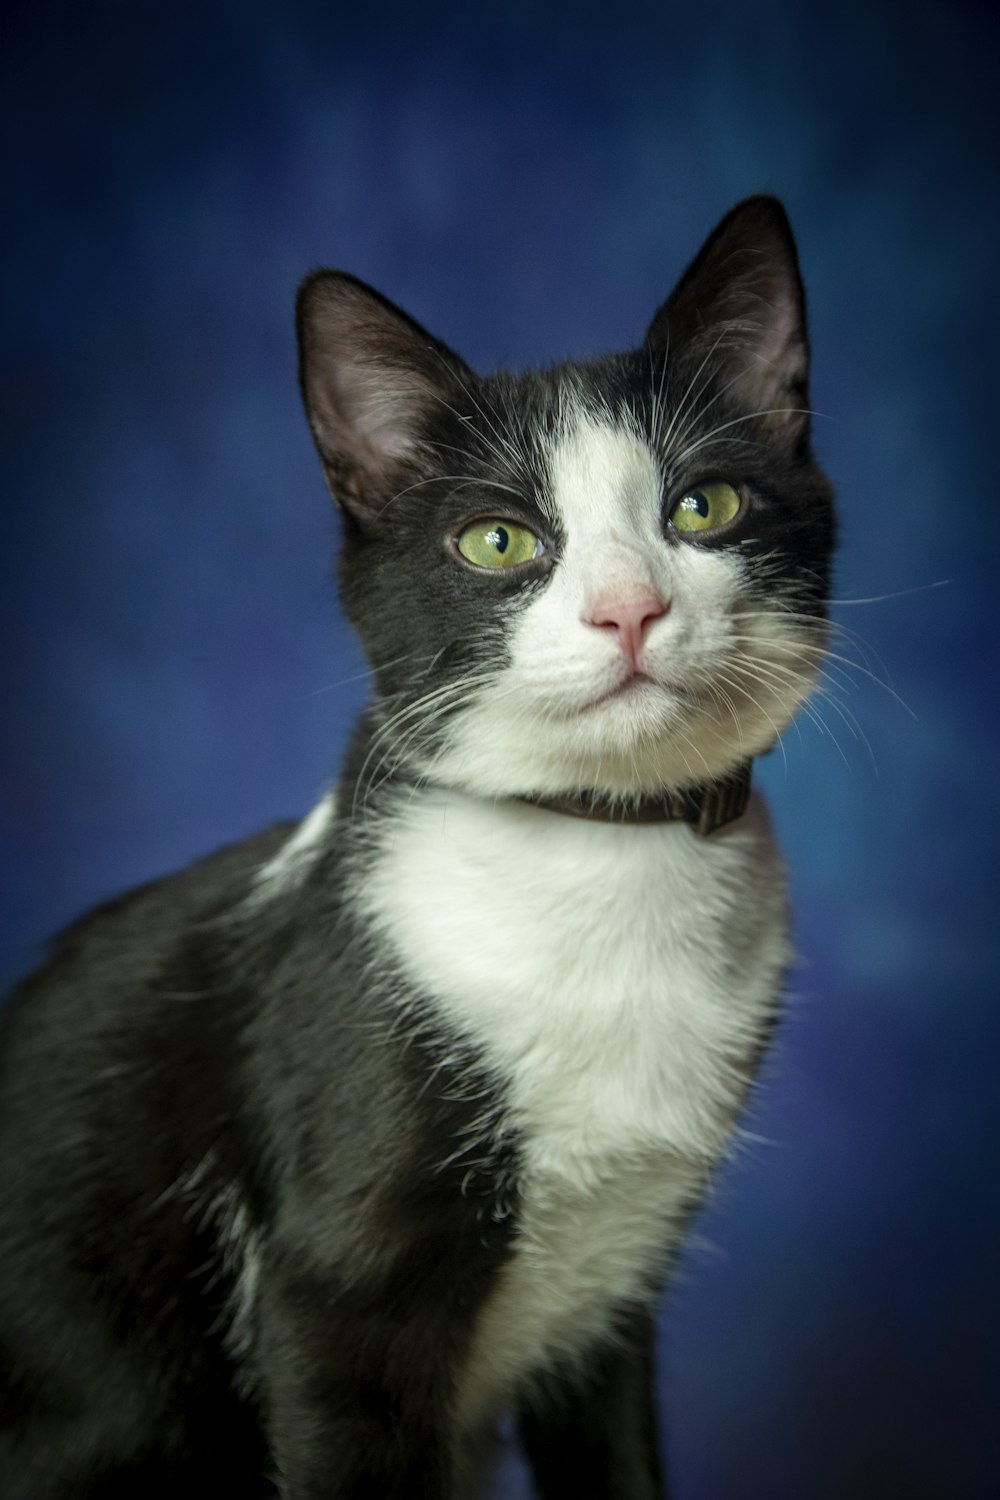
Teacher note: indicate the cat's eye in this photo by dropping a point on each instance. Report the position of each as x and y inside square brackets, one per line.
[706, 508]
[498, 543]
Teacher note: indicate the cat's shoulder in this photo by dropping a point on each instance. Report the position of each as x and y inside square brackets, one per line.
[125, 936]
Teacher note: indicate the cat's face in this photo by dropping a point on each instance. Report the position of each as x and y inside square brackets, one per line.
[606, 576]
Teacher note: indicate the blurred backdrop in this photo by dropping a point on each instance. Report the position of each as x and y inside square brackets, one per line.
[528, 181]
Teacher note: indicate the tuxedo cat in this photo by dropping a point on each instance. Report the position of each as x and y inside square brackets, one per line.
[317, 1155]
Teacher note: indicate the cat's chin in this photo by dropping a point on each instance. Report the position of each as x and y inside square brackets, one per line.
[629, 745]
[638, 688]
[637, 713]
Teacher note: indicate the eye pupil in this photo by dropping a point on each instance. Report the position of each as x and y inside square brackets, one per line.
[708, 508]
[492, 543]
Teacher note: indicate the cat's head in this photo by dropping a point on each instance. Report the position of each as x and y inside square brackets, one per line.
[607, 575]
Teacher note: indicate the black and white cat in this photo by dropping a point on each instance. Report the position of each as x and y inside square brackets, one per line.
[317, 1155]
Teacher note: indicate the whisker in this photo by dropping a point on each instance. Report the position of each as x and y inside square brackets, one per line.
[395, 735]
[741, 687]
[822, 648]
[710, 437]
[360, 676]
[462, 481]
[920, 588]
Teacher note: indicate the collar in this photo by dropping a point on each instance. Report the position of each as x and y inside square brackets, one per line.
[706, 808]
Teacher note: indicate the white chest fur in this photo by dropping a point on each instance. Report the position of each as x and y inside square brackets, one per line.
[618, 979]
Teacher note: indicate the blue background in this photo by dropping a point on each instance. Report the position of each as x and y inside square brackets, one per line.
[529, 182]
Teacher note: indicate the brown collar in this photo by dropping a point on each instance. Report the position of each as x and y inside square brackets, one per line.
[706, 808]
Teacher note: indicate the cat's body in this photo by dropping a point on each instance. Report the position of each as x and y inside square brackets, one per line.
[317, 1155]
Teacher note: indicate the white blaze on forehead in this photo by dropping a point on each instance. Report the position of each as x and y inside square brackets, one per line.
[607, 489]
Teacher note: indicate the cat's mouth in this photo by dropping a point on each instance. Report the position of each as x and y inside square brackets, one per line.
[634, 688]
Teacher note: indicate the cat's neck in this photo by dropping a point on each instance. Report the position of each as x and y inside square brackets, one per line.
[706, 808]
[367, 787]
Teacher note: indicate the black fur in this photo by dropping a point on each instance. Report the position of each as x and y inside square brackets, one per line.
[172, 1060]
[201, 1081]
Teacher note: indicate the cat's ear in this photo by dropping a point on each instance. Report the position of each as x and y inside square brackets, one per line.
[740, 308]
[370, 378]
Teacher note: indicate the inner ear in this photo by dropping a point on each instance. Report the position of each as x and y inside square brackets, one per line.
[740, 308]
[371, 380]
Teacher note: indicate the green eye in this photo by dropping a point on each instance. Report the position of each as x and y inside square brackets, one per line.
[706, 508]
[493, 543]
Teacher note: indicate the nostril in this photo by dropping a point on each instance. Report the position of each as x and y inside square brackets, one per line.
[628, 613]
[630, 617]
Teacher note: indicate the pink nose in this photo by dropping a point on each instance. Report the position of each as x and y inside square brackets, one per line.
[631, 618]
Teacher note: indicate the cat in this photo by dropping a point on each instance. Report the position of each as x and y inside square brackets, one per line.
[321, 1153]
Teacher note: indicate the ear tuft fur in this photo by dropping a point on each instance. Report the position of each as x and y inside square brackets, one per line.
[370, 376]
[740, 305]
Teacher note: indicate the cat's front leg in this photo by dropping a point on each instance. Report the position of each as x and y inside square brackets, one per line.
[590, 1433]
[354, 1392]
